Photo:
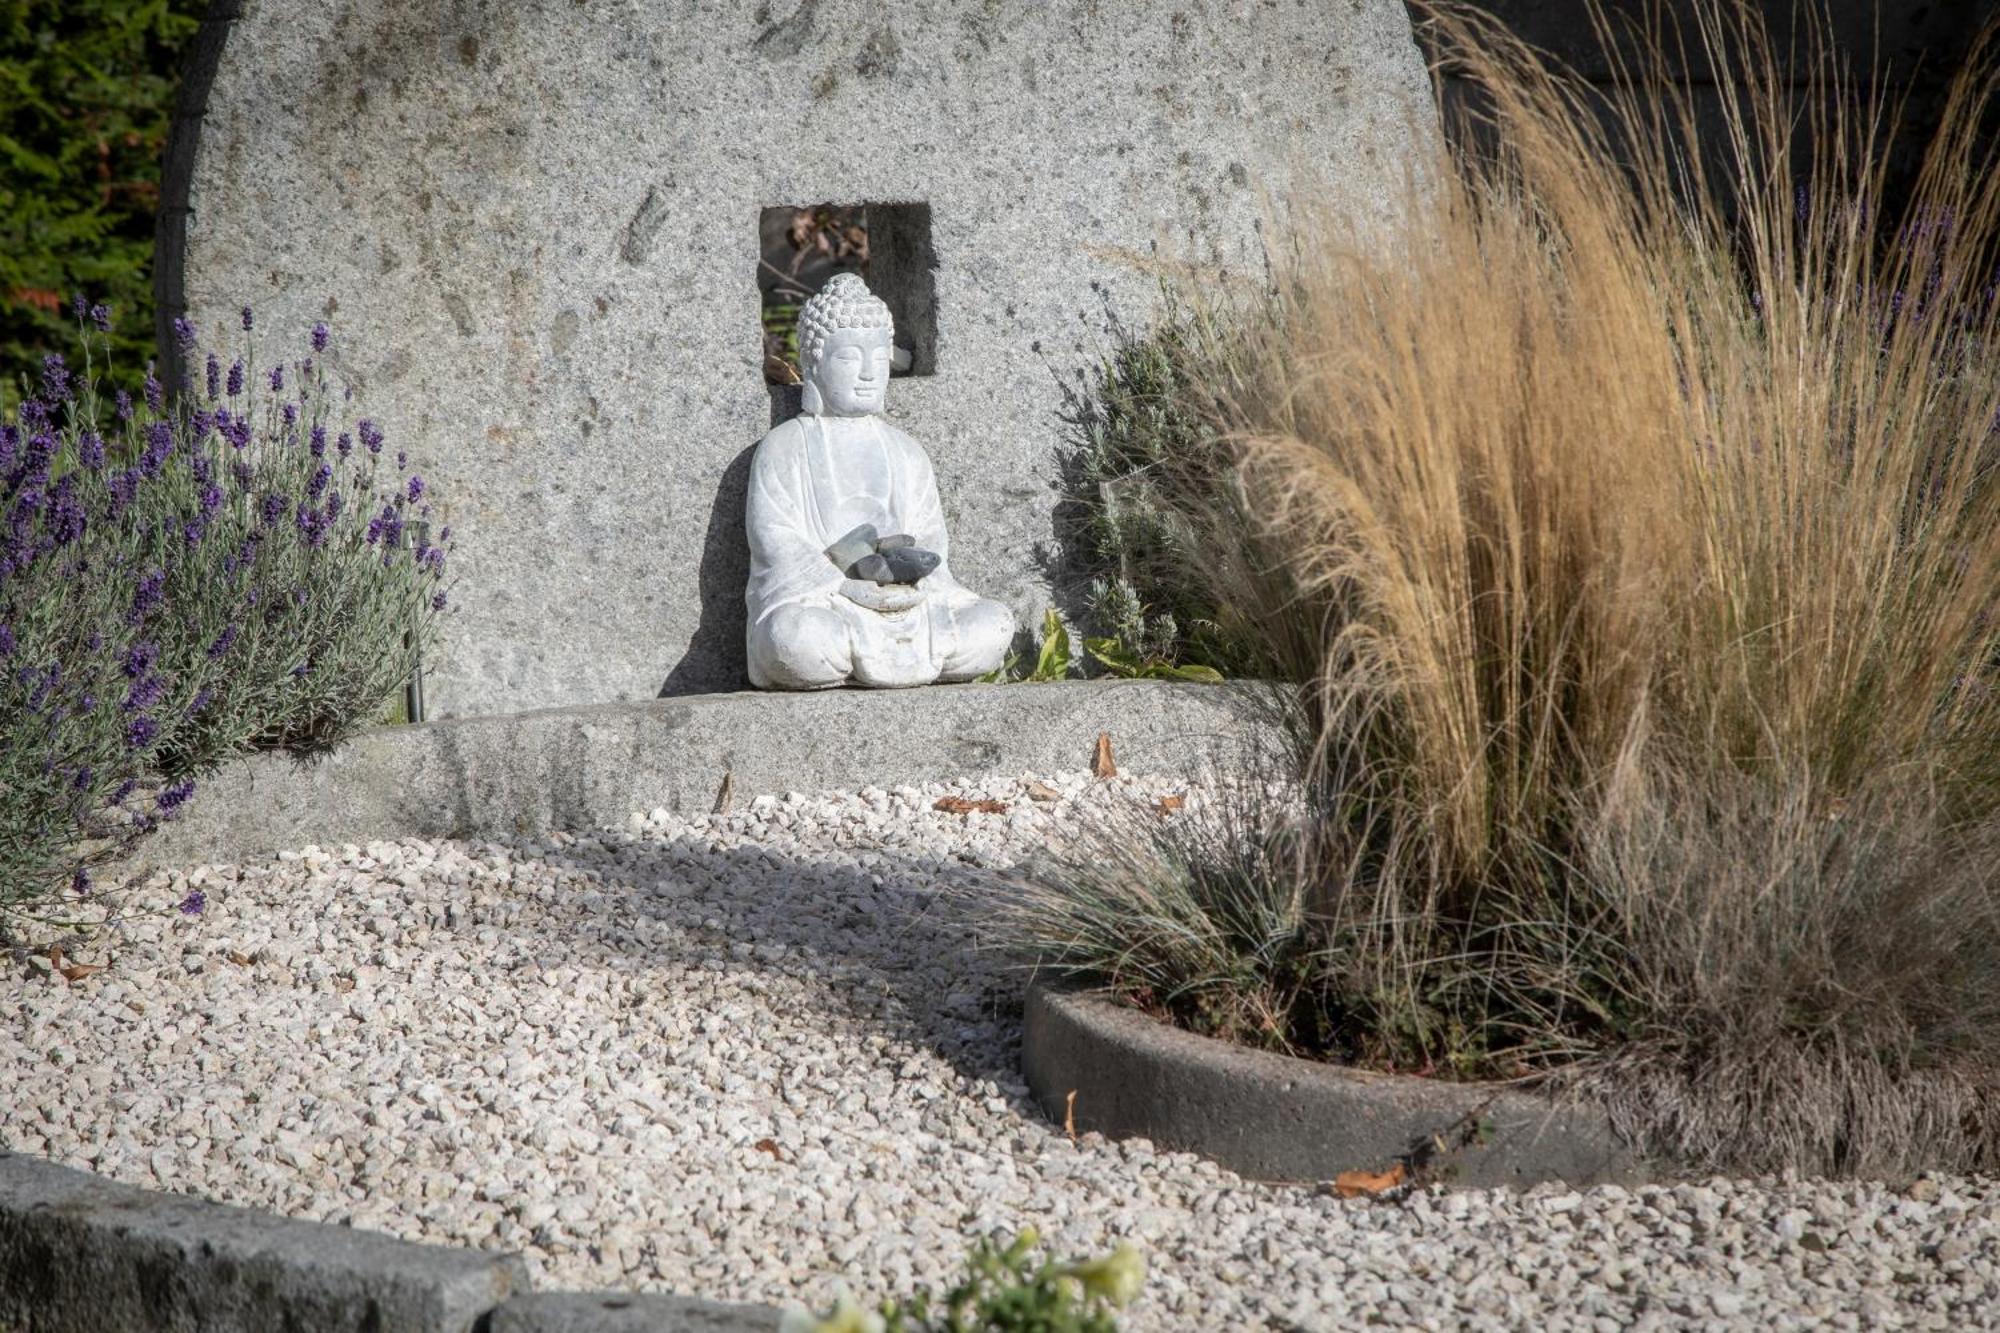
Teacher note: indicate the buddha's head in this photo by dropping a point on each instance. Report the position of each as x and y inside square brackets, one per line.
[844, 340]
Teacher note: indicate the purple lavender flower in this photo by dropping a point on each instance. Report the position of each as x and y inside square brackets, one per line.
[243, 472]
[124, 790]
[146, 597]
[8, 643]
[319, 336]
[77, 305]
[193, 531]
[55, 378]
[202, 423]
[124, 489]
[416, 488]
[65, 522]
[140, 731]
[183, 332]
[402, 460]
[437, 601]
[100, 315]
[291, 414]
[320, 477]
[156, 393]
[200, 702]
[159, 445]
[235, 383]
[345, 444]
[211, 499]
[223, 640]
[239, 432]
[83, 777]
[124, 405]
[277, 379]
[248, 322]
[316, 442]
[87, 704]
[334, 504]
[196, 900]
[175, 796]
[274, 507]
[140, 657]
[386, 528]
[313, 525]
[79, 883]
[371, 436]
[214, 376]
[144, 694]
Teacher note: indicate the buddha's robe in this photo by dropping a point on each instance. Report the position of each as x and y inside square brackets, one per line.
[813, 480]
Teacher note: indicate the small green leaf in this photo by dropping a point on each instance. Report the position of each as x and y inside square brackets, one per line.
[1114, 658]
[1052, 663]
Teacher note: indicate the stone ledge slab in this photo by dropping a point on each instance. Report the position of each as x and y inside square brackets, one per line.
[1272, 1117]
[81, 1254]
[589, 767]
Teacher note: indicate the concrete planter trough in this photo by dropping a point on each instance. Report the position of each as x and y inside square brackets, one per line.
[1270, 1117]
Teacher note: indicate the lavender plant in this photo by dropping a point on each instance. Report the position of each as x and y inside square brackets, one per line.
[184, 581]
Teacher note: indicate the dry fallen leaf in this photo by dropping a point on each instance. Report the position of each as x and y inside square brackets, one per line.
[71, 971]
[725, 795]
[1042, 791]
[1168, 804]
[343, 984]
[1355, 1184]
[240, 958]
[770, 1146]
[959, 805]
[1069, 1115]
[1103, 766]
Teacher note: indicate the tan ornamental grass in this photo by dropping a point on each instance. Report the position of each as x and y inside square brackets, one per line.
[1637, 517]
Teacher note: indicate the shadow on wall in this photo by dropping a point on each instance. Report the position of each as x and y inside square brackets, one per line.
[715, 656]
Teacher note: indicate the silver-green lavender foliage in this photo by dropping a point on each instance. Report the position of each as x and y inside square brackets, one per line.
[185, 581]
[1147, 470]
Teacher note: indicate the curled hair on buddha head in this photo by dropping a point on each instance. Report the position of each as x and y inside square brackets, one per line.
[844, 303]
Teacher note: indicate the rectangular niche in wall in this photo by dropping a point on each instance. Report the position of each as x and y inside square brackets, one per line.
[888, 244]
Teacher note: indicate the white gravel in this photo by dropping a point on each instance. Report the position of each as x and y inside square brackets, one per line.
[747, 1055]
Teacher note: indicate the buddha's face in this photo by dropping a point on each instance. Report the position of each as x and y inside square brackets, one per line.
[852, 372]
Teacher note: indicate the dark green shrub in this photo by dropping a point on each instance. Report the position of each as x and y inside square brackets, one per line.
[180, 583]
[86, 94]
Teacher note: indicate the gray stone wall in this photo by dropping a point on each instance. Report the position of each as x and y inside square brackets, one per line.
[534, 227]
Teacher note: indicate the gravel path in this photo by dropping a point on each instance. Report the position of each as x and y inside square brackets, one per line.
[745, 1055]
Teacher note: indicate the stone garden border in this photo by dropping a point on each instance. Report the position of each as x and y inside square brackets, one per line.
[82, 1254]
[1275, 1118]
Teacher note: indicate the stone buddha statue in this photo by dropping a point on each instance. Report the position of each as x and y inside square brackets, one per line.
[850, 575]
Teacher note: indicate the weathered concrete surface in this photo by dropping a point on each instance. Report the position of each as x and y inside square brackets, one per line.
[80, 1254]
[534, 225]
[1271, 1117]
[579, 768]
[589, 1312]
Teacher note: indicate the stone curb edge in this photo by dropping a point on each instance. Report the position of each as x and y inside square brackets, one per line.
[82, 1254]
[1098, 1065]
